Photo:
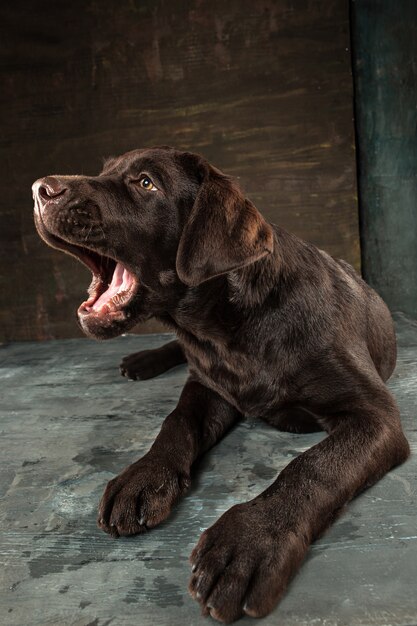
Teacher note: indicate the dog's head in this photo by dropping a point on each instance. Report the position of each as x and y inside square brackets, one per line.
[154, 223]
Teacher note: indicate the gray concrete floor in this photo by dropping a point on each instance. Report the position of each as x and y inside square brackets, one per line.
[69, 423]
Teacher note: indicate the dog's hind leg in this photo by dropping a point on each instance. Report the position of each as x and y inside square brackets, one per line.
[149, 363]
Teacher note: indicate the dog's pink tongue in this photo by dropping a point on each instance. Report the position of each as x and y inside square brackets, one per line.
[122, 281]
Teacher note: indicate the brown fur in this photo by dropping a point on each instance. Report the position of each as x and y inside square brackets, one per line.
[270, 327]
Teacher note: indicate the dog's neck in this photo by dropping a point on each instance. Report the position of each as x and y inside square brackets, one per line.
[211, 311]
[250, 286]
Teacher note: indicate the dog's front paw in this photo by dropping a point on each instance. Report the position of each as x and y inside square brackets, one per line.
[142, 365]
[242, 564]
[140, 497]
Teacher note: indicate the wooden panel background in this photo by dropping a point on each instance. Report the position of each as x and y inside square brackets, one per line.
[263, 89]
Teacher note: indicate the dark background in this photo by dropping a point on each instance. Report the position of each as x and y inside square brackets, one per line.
[385, 70]
[262, 89]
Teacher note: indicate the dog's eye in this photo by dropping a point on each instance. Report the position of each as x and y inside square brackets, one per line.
[147, 184]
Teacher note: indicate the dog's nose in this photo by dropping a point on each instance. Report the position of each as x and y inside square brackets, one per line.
[46, 189]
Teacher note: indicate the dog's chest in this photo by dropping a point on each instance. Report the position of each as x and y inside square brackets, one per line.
[241, 379]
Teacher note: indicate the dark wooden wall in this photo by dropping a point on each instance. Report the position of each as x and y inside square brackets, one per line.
[263, 89]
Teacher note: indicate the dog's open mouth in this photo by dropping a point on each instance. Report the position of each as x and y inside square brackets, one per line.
[111, 290]
[113, 286]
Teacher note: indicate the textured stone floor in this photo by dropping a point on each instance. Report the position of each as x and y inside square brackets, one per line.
[69, 422]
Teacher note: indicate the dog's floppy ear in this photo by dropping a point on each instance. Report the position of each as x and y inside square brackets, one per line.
[224, 231]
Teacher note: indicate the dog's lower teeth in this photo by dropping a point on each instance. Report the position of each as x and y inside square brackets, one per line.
[120, 297]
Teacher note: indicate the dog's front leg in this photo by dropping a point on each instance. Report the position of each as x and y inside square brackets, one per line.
[150, 363]
[143, 494]
[243, 563]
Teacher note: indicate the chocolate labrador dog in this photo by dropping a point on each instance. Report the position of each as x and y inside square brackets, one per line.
[270, 327]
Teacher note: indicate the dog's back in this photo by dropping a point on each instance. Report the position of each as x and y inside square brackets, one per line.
[380, 332]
